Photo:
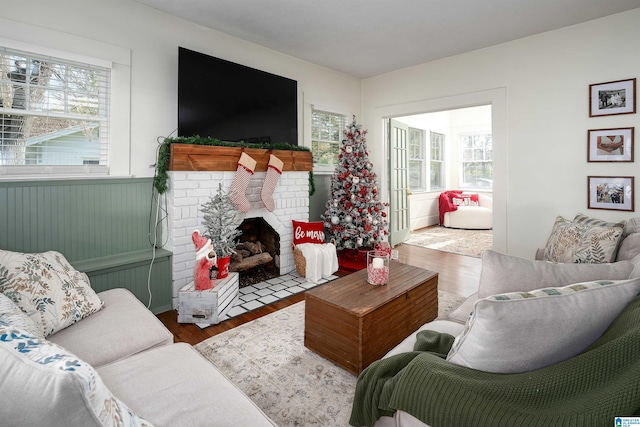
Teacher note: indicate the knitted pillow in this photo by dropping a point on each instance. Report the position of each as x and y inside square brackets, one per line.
[583, 241]
[55, 387]
[525, 331]
[47, 288]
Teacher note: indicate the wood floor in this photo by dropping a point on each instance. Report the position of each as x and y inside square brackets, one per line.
[457, 274]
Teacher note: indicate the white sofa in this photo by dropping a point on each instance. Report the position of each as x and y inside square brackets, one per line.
[124, 347]
[478, 217]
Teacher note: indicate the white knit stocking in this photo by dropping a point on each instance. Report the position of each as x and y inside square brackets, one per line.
[238, 191]
[274, 170]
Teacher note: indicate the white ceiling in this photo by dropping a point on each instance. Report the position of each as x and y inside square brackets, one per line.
[364, 38]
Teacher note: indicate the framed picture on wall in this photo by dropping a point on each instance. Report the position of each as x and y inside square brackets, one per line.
[618, 97]
[611, 192]
[610, 145]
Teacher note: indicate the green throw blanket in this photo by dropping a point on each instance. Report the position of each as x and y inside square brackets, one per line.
[590, 389]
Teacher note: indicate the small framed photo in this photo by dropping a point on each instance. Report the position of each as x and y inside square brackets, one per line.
[610, 145]
[611, 192]
[606, 99]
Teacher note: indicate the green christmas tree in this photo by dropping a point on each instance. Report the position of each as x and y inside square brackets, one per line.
[221, 221]
[354, 216]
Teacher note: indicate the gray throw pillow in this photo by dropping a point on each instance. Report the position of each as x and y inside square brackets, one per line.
[505, 273]
[525, 331]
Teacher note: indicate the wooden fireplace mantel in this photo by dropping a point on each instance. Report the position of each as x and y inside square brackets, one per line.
[192, 157]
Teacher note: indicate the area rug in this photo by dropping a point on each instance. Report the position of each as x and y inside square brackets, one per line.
[455, 240]
[294, 386]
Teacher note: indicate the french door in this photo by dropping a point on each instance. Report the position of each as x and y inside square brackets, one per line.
[399, 218]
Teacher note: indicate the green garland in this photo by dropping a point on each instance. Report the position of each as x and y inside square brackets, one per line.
[164, 152]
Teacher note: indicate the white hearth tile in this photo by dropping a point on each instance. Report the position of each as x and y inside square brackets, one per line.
[278, 287]
[249, 297]
[283, 294]
[248, 289]
[309, 285]
[263, 292]
[291, 283]
[268, 299]
[296, 289]
[252, 305]
[274, 281]
[236, 311]
[262, 285]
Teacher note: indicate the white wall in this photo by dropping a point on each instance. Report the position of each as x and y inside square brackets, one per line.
[539, 89]
[152, 38]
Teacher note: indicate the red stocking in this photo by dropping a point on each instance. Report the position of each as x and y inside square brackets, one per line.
[274, 170]
[238, 192]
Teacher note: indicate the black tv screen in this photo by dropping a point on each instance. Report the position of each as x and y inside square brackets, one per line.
[232, 102]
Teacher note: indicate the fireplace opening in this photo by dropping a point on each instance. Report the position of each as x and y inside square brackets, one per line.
[257, 255]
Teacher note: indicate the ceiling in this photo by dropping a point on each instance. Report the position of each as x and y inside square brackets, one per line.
[365, 38]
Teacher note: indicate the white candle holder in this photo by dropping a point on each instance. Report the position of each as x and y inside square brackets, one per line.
[377, 268]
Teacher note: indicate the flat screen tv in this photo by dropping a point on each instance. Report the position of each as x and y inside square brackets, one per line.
[232, 102]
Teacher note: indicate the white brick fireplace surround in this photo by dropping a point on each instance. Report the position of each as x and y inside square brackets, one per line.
[188, 191]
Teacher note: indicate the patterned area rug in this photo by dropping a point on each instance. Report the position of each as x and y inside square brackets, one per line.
[458, 241]
[294, 386]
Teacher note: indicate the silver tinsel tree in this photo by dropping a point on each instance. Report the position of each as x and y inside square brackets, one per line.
[221, 221]
[354, 216]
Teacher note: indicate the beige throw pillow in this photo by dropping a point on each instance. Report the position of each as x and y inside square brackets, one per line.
[525, 331]
[46, 287]
[584, 240]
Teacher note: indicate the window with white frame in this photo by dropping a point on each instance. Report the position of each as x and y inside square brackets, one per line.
[53, 112]
[477, 160]
[417, 161]
[436, 161]
[326, 136]
[426, 160]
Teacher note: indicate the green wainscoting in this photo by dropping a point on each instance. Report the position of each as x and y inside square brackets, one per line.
[100, 225]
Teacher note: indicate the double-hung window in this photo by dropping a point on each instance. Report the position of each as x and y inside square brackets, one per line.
[426, 159]
[54, 113]
[477, 160]
[326, 136]
[436, 161]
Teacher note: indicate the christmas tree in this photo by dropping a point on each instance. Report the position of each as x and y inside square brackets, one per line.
[220, 220]
[354, 216]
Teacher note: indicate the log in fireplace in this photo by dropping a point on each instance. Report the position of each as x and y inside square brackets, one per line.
[257, 255]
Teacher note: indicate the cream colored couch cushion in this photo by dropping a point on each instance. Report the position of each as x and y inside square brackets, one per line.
[122, 328]
[157, 385]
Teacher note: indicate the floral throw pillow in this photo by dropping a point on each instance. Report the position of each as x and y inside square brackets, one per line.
[56, 388]
[47, 288]
[12, 316]
[583, 241]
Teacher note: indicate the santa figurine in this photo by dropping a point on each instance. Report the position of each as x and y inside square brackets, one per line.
[205, 260]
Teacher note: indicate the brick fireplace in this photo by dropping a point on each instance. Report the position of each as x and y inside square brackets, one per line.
[188, 191]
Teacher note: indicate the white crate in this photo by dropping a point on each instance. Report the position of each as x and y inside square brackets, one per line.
[209, 306]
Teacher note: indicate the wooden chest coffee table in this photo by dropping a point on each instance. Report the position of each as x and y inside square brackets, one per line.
[353, 323]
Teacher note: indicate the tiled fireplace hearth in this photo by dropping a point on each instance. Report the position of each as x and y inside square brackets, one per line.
[188, 191]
